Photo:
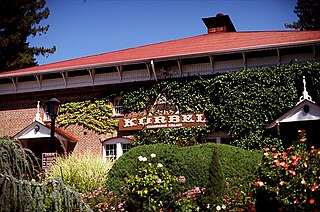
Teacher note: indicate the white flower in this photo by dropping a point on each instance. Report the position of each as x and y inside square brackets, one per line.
[223, 207]
[140, 158]
[149, 164]
[159, 165]
[153, 155]
[218, 208]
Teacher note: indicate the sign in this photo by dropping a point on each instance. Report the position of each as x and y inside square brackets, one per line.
[48, 159]
[162, 121]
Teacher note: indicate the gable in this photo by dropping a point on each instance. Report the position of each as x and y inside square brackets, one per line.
[304, 111]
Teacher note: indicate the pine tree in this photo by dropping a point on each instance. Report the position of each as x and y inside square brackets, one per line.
[308, 12]
[20, 19]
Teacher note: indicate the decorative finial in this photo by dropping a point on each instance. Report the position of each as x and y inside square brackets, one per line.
[305, 94]
[38, 116]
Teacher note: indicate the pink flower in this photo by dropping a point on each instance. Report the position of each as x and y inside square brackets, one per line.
[197, 190]
[277, 163]
[292, 172]
[258, 183]
[182, 179]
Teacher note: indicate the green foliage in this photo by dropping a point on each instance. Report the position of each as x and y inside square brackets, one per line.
[22, 195]
[289, 179]
[20, 19]
[94, 115]
[192, 162]
[150, 187]
[83, 172]
[16, 161]
[308, 14]
[19, 190]
[237, 164]
[240, 103]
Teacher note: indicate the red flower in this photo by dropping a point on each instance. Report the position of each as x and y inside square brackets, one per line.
[296, 201]
[295, 163]
[313, 188]
[284, 155]
[289, 148]
[273, 149]
[292, 172]
[258, 183]
[277, 163]
[302, 140]
[311, 201]
[301, 131]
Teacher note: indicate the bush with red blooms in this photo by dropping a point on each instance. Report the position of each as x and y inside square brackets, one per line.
[288, 180]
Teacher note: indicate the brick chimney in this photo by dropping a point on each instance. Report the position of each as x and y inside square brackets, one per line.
[220, 23]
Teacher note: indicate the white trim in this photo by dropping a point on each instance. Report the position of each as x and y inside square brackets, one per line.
[118, 141]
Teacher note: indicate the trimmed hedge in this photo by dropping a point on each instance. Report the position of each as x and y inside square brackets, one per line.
[192, 162]
[207, 165]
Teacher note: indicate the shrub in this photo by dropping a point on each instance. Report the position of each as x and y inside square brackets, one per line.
[84, 172]
[19, 190]
[193, 162]
[289, 180]
[237, 164]
[150, 187]
[16, 161]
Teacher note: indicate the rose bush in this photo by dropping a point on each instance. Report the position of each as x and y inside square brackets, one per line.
[289, 179]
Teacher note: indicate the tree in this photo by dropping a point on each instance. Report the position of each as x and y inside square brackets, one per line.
[308, 12]
[20, 19]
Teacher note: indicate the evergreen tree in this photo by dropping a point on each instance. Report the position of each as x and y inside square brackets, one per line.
[20, 19]
[308, 12]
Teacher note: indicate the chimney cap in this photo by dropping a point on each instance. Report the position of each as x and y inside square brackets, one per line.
[219, 21]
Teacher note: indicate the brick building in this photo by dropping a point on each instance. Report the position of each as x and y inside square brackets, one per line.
[222, 49]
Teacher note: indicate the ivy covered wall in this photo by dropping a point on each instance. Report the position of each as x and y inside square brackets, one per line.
[240, 103]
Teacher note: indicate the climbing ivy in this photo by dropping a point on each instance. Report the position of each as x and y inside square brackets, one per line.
[95, 115]
[241, 103]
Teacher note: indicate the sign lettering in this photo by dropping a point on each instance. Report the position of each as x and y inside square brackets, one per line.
[162, 121]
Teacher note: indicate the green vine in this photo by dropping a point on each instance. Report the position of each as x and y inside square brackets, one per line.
[94, 115]
[241, 103]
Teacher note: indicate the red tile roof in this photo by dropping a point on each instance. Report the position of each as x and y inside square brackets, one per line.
[212, 43]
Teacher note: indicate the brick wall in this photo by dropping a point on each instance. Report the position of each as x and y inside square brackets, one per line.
[18, 111]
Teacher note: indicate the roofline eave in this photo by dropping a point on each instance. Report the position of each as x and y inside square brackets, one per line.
[164, 58]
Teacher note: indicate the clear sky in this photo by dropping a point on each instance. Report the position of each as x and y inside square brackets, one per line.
[81, 28]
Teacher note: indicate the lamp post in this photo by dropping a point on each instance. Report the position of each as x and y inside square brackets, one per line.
[53, 110]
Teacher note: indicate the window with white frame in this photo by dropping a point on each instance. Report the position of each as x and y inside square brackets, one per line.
[110, 151]
[115, 147]
[117, 106]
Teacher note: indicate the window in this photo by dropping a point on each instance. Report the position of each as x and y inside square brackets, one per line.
[110, 150]
[126, 148]
[115, 147]
[118, 109]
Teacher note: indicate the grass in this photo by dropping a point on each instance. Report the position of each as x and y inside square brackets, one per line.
[83, 172]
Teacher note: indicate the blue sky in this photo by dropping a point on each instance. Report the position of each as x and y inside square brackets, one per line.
[80, 28]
